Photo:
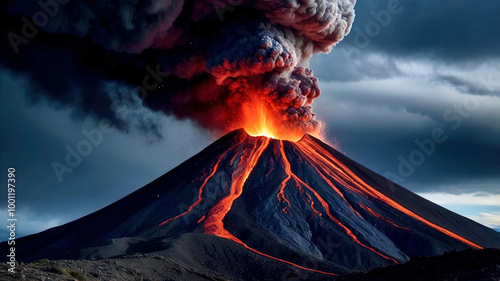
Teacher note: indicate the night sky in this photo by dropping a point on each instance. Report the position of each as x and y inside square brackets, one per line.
[409, 73]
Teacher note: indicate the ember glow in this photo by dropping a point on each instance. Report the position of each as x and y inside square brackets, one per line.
[258, 118]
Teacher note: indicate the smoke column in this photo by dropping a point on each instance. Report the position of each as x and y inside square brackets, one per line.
[224, 59]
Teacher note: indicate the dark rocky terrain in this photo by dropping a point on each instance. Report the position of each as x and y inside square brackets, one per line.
[467, 265]
[253, 208]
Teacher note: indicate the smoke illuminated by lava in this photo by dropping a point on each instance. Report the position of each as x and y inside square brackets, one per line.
[259, 118]
[230, 63]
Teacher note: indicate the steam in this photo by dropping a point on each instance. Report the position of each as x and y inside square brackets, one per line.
[219, 54]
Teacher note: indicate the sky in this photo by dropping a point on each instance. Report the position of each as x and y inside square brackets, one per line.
[413, 93]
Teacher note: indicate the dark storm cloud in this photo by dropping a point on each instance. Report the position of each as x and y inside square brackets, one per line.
[483, 87]
[458, 32]
[71, 72]
[451, 30]
[375, 127]
[429, 58]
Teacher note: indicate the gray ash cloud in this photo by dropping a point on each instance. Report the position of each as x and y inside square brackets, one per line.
[216, 53]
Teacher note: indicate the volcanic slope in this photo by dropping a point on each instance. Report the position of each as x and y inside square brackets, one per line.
[256, 200]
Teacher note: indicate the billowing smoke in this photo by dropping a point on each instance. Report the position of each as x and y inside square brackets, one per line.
[219, 55]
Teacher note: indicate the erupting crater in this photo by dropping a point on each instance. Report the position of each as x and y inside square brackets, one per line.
[259, 118]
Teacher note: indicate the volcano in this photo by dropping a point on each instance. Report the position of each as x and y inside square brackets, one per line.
[263, 206]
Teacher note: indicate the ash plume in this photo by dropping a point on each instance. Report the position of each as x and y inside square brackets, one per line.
[219, 55]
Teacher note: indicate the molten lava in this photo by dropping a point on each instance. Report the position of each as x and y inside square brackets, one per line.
[259, 119]
[200, 193]
[213, 223]
[245, 156]
[341, 173]
[266, 206]
[326, 206]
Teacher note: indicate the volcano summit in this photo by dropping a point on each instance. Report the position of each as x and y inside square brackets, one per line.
[265, 206]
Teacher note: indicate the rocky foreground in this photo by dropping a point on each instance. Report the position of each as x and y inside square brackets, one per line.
[465, 265]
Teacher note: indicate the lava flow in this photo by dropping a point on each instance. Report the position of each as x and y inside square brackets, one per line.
[325, 205]
[299, 207]
[214, 224]
[245, 155]
[334, 168]
[200, 193]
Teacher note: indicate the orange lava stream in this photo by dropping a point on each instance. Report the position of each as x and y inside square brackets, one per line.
[311, 203]
[381, 217]
[198, 201]
[288, 171]
[231, 237]
[317, 154]
[281, 193]
[214, 222]
[330, 183]
[326, 207]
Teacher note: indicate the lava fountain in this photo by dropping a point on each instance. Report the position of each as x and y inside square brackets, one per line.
[259, 118]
